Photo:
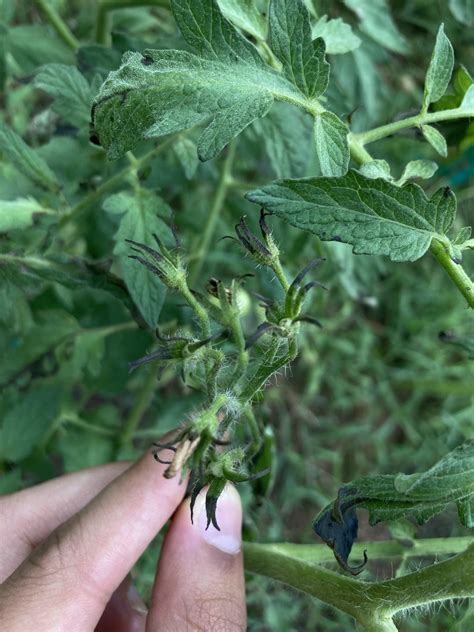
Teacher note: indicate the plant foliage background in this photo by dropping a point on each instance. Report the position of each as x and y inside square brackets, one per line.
[381, 388]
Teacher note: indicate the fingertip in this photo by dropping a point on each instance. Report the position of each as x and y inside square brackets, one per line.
[200, 576]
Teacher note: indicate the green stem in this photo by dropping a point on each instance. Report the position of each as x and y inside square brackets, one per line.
[330, 587]
[455, 271]
[197, 308]
[385, 549]
[370, 136]
[360, 155]
[142, 403]
[115, 181]
[372, 604]
[280, 275]
[255, 432]
[58, 23]
[213, 216]
[88, 427]
[266, 370]
[110, 5]
[103, 25]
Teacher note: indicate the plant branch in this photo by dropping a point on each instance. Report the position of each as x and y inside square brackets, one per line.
[58, 23]
[372, 135]
[385, 549]
[210, 227]
[372, 604]
[142, 403]
[455, 271]
[115, 181]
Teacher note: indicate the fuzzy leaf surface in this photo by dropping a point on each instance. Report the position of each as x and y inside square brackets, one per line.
[375, 216]
[435, 139]
[138, 221]
[225, 84]
[393, 497]
[440, 69]
[70, 89]
[303, 59]
[246, 16]
[330, 135]
[337, 35]
[20, 214]
[26, 159]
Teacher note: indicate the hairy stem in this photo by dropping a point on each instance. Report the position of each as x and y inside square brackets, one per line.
[455, 271]
[56, 21]
[385, 549]
[142, 403]
[265, 371]
[213, 216]
[197, 308]
[372, 604]
[371, 135]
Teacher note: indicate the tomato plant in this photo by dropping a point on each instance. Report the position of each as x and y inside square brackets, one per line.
[199, 196]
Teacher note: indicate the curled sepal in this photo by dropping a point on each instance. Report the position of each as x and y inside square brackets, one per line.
[252, 244]
[262, 329]
[264, 251]
[265, 460]
[338, 528]
[236, 476]
[175, 349]
[215, 490]
[297, 291]
[164, 263]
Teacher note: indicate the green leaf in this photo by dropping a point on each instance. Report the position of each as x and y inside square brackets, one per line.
[467, 104]
[463, 235]
[72, 93]
[84, 359]
[26, 160]
[11, 481]
[20, 214]
[337, 35]
[332, 148]
[462, 81]
[186, 152]
[439, 70]
[227, 82]
[80, 449]
[27, 423]
[376, 169]
[393, 497]
[435, 139]
[375, 216]
[286, 134]
[418, 169]
[466, 512]
[245, 15]
[138, 222]
[24, 349]
[463, 11]
[303, 60]
[34, 45]
[377, 22]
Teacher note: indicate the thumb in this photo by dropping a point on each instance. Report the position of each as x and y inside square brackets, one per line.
[200, 578]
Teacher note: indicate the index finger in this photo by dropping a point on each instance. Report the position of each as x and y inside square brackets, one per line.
[73, 574]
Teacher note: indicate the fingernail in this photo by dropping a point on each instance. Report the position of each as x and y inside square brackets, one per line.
[229, 518]
[135, 601]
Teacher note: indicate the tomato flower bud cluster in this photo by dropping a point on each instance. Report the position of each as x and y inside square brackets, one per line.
[263, 252]
[164, 263]
[218, 363]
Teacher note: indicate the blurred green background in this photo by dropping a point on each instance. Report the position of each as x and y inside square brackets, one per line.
[375, 391]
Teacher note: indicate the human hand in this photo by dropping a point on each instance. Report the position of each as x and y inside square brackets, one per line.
[67, 546]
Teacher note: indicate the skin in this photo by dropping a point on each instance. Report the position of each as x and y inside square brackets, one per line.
[68, 545]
